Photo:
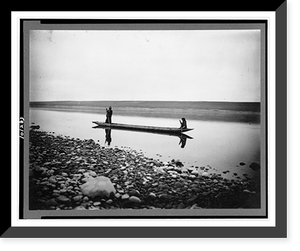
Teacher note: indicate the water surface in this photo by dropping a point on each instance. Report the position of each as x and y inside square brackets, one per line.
[218, 146]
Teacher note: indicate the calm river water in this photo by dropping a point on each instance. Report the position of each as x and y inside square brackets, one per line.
[222, 146]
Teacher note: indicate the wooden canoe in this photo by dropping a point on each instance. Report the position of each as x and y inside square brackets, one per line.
[142, 128]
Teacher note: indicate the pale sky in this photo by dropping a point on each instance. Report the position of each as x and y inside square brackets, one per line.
[183, 65]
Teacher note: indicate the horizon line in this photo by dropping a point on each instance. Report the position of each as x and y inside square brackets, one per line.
[65, 100]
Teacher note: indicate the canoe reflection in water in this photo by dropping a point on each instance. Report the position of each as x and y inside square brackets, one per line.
[182, 141]
[108, 138]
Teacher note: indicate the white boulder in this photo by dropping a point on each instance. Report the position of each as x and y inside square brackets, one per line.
[205, 174]
[99, 186]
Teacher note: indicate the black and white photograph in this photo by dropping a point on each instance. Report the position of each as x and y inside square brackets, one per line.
[168, 121]
[148, 125]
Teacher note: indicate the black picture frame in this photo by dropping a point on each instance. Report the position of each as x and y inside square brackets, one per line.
[281, 229]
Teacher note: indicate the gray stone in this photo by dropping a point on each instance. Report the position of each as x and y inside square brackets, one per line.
[181, 206]
[93, 174]
[110, 201]
[134, 193]
[248, 191]
[195, 206]
[63, 199]
[77, 175]
[169, 206]
[125, 196]
[52, 179]
[195, 172]
[51, 202]
[80, 208]
[99, 186]
[117, 195]
[163, 196]
[77, 198]
[152, 195]
[135, 199]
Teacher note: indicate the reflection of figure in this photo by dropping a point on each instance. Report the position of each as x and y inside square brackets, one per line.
[182, 141]
[183, 124]
[109, 114]
[108, 136]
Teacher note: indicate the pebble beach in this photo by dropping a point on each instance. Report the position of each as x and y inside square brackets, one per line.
[59, 166]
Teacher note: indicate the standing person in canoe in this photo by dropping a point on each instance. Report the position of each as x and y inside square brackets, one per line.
[109, 114]
[183, 124]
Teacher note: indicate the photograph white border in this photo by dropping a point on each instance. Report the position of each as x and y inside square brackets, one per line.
[15, 92]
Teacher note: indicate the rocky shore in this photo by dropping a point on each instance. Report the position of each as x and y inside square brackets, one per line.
[61, 167]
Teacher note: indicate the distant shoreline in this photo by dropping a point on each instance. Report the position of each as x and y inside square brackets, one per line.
[237, 106]
[216, 111]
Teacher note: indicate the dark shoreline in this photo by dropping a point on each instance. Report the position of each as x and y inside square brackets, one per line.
[59, 165]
